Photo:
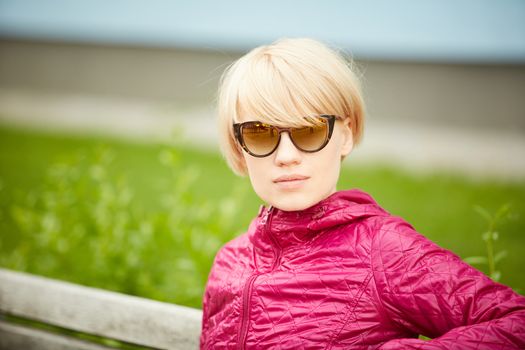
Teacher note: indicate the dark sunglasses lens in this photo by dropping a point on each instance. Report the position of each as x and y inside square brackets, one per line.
[260, 138]
[311, 138]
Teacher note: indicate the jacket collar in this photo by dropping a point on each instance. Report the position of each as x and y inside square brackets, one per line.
[284, 228]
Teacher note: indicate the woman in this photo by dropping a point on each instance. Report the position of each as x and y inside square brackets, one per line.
[322, 269]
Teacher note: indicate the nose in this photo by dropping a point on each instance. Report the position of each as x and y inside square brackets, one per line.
[286, 153]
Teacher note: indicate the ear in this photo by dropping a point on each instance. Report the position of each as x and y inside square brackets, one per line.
[347, 143]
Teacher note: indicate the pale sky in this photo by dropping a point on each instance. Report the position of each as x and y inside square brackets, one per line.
[476, 31]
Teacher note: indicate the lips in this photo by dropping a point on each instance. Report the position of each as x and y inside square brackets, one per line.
[290, 178]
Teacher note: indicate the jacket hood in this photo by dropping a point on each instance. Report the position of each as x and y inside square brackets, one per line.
[289, 227]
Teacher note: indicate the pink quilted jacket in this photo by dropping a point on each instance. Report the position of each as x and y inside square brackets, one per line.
[345, 274]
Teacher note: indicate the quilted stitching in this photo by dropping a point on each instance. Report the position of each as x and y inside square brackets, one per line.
[354, 277]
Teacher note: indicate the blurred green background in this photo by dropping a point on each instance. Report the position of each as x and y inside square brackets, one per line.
[147, 219]
[95, 188]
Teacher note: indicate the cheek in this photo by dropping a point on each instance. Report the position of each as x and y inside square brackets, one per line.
[330, 164]
[257, 171]
[330, 156]
[329, 160]
[252, 164]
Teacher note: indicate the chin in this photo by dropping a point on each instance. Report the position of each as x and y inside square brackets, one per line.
[294, 202]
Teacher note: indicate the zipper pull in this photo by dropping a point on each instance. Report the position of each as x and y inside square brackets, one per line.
[319, 213]
[266, 215]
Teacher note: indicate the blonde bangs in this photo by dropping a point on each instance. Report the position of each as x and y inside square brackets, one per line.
[274, 92]
[282, 84]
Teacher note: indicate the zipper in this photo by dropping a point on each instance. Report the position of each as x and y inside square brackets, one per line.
[276, 244]
[247, 291]
[245, 310]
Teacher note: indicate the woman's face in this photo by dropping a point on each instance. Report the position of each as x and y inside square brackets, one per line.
[290, 179]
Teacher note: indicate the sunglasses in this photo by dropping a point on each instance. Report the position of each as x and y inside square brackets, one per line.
[260, 139]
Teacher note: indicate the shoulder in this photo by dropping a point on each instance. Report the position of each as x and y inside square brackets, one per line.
[232, 249]
[395, 241]
[393, 233]
[228, 258]
[236, 248]
[402, 258]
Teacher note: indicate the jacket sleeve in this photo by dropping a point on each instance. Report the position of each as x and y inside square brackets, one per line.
[427, 290]
[207, 305]
[204, 322]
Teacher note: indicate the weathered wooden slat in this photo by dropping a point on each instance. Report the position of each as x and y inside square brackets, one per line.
[19, 337]
[95, 311]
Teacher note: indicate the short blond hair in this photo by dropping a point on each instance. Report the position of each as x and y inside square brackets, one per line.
[283, 82]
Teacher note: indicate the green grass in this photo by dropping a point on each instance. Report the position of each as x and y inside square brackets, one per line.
[146, 219]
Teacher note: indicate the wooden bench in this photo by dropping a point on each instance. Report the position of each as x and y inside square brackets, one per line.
[92, 311]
